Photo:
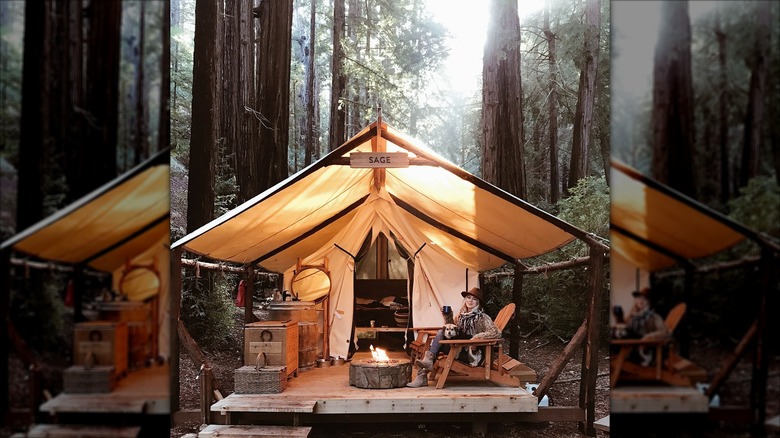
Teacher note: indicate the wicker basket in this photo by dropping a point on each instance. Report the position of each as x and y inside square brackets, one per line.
[260, 379]
[88, 380]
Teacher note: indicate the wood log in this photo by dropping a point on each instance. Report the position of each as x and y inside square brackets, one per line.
[192, 263]
[372, 375]
[561, 361]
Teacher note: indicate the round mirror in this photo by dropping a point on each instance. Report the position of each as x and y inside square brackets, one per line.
[311, 283]
[139, 283]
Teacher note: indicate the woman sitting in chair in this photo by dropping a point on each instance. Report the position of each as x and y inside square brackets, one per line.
[644, 322]
[472, 322]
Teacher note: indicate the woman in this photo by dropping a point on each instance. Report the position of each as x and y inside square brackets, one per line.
[643, 322]
[473, 323]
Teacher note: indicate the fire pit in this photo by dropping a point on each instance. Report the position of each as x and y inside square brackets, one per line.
[380, 372]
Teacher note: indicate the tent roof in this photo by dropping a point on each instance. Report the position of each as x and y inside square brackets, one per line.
[478, 223]
[108, 226]
[654, 226]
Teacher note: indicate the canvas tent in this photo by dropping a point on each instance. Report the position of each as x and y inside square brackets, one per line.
[654, 227]
[452, 223]
[123, 223]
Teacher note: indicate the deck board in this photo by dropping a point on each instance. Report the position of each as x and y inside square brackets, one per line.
[77, 431]
[327, 391]
[215, 430]
[658, 399]
[145, 391]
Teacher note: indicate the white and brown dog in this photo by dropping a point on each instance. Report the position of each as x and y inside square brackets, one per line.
[474, 353]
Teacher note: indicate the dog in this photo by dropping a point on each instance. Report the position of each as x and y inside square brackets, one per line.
[475, 356]
[450, 331]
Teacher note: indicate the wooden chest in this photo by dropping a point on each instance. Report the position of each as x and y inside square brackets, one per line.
[81, 380]
[106, 340]
[279, 341]
[139, 318]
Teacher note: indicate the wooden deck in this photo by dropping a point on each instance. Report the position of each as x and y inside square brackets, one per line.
[657, 399]
[145, 391]
[327, 391]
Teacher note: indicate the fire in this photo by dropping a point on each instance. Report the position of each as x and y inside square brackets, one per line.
[379, 354]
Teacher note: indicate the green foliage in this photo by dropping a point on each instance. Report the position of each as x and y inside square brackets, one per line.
[37, 310]
[587, 207]
[207, 310]
[758, 205]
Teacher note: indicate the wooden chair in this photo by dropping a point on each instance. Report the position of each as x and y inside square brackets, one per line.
[457, 345]
[662, 369]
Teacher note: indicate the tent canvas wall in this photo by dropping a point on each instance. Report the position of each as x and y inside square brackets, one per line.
[463, 222]
[124, 222]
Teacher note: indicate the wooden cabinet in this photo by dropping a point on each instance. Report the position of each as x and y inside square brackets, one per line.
[106, 340]
[279, 341]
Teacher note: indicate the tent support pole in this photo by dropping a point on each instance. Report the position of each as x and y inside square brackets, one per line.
[590, 352]
[78, 290]
[5, 350]
[514, 329]
[249, 293]
[764, 343]
[684, 330]
[175, 310]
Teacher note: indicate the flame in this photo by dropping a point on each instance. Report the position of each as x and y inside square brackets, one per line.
[379, 354]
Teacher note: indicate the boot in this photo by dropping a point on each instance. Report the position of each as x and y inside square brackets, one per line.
[421, 379]
[426, 362]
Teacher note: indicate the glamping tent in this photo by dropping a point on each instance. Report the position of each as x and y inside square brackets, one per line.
[451, 224]
[121, 228]
[120, 225]
[654, 227]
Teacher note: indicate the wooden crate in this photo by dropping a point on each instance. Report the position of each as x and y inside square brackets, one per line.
[106, 340]
[279, 341]
[80, 380]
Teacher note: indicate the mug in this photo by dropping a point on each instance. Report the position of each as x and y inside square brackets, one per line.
[446, 309]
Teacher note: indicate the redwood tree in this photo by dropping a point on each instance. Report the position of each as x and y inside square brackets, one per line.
[273, 95]
[205, 116]
[755, 111]
[672, 117]
[338, 114]
[552, 108]
[246, 174]
[583, 118]
[502, 112]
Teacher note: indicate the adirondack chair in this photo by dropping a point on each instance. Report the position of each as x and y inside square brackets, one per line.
[448, 363]
[663, 369]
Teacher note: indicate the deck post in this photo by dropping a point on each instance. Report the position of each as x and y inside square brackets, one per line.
[249, 294]
[514, 329]
[35, 385]
[590, 352]
[5, 345]
[174, 311]
[206, 391]
[763, 341]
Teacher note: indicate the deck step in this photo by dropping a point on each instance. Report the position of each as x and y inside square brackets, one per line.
[260, 403]
[216, 430]
[602, 424]
[79, 431]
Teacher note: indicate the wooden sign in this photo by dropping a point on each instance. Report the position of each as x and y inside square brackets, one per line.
[378, 159]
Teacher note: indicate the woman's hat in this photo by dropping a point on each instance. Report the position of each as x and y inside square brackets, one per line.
[474, 292]
[644, 292]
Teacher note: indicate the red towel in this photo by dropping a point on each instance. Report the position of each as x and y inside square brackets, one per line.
[69, 294]
[241, 292]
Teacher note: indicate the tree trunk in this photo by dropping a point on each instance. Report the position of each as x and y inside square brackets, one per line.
[338, 115]
[310, 127]
[98, 163]
[755, 111]
[246, 153]
[231, 90]
[552, 105]
[205, 116]
[34, 112]
[672, 117]
[273, 90]
[723, 132]
[502, 112]
[583, 124]
[141, 145]
[164, 129]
